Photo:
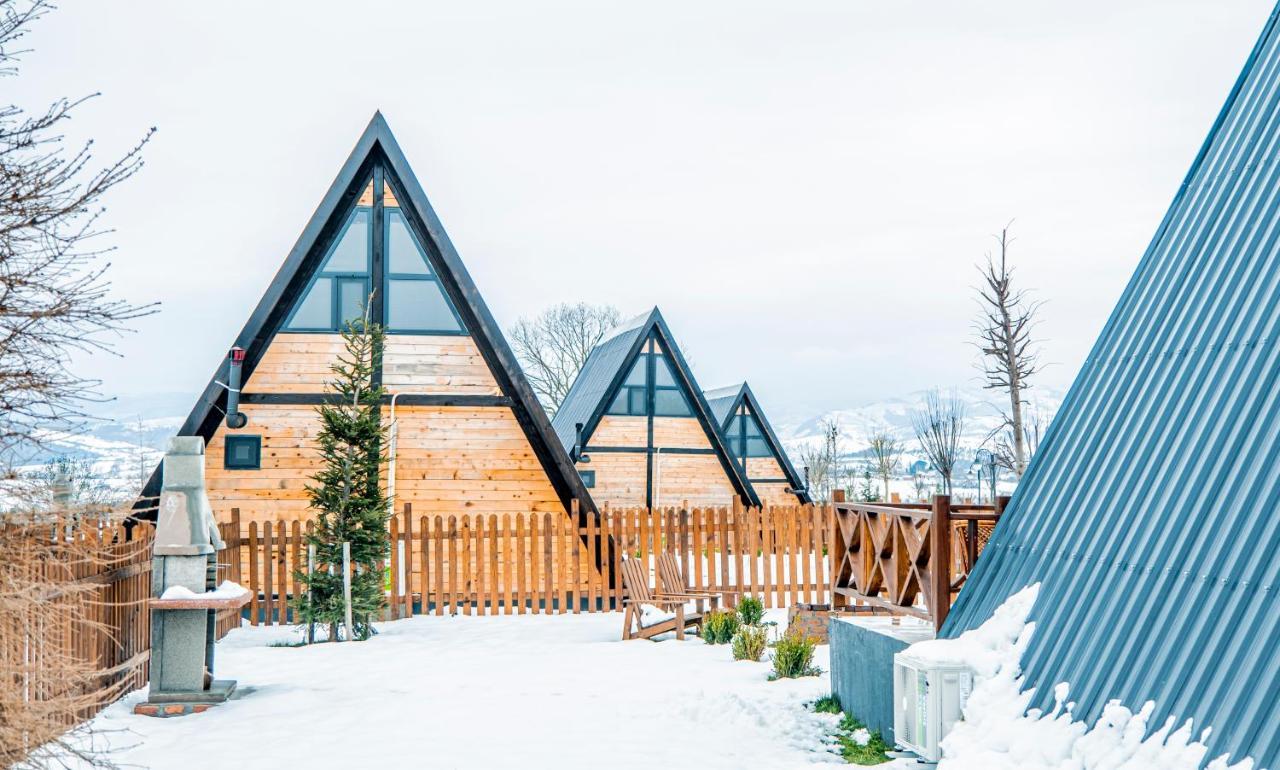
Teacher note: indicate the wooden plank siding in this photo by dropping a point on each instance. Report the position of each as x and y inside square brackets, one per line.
[449, 459]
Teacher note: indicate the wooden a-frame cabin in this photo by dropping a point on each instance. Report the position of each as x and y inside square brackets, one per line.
[640, 431]
[755, 447]
[471, 436]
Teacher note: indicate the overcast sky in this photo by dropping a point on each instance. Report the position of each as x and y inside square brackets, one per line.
[803, 188]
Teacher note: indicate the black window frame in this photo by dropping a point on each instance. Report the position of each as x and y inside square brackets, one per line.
[430, 275]
[336, 324]
[588, 478]
[647, 362]
[233, 439]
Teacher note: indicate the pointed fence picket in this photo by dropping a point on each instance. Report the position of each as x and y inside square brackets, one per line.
[548, 563]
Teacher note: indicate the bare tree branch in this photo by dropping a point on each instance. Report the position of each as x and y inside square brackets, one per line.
[54, 296]
[886, 454]
[555, 344]
[1009, 354]
[939, 424]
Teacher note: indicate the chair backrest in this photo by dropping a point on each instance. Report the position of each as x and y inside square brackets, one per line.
[670, 578]
[635, 579]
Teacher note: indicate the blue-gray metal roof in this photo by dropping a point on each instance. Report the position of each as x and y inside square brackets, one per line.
[721, 401]
[1149, 515]
[596, 376]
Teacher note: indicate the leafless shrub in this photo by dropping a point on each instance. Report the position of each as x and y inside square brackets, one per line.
[939, 425]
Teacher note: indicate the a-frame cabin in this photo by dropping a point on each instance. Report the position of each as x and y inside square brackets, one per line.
[755, 447]
[472, 437]
[639, 429]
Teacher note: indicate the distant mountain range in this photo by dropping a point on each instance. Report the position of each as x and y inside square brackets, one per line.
[123, 447]
[983, 417]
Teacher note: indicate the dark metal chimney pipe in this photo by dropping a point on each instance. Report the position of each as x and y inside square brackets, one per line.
[235, 418]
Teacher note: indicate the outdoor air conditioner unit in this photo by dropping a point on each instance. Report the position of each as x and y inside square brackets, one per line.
[928, 699]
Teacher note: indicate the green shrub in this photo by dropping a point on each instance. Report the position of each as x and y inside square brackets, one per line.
[858, 745]
[719, 626]
[793, 656]
[750, 611]
[827, 704]
[750, 642]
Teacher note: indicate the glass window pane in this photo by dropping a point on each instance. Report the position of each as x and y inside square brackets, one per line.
[637, 401]
[351, 300]
[316, 309]
[619, 405]
[404, 253]
[419, 306]
[735, 424]
[756, 447]
[662, 374]
[350, 254]
[753, 428]
[638, 373]
[670, 403]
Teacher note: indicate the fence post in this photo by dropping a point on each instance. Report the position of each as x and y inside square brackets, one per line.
[346, 589]
[940, 553]
[838, 551]
[1002, 502]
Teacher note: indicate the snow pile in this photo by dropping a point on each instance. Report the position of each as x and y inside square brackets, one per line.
[225, 590]
[1000, 732]
[861, 736]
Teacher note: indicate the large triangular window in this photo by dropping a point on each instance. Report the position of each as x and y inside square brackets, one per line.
[416, 301]
[340, 290]
[413, 299]
[746, 437]
[668, 396]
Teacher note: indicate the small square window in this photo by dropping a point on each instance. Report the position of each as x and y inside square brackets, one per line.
[243, 453]
[588, 478]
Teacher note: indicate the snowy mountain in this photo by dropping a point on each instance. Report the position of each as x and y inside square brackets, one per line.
[982, 418]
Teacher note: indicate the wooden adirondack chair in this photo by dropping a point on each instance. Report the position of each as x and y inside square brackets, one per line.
[671, 580]
[635, 579]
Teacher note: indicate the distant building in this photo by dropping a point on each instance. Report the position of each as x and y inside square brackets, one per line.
[755, 447]
[639, 430]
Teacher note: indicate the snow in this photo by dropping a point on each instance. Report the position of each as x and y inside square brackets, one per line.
[532, 691]
[1000, 732]
[225, 590]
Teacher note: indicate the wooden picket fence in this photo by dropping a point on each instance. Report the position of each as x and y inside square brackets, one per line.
[75, 633]
[552, 563]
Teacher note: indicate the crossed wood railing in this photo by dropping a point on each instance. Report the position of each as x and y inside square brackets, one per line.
[906, 558]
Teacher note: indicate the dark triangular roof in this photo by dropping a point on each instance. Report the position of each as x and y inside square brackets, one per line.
[602, 375]
[1148, 514]
[377, 147]
[725, 401]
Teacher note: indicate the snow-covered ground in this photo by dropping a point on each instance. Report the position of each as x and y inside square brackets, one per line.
[488, 692]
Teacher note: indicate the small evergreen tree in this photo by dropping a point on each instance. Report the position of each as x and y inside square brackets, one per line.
[349, 504]
[868, 493]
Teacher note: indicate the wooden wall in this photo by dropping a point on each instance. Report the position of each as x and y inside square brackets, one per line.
[771, 493]
[699, 479]
[449, 460]
[621, 477]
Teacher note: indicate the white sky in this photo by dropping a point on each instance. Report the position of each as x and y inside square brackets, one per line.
[803, 188]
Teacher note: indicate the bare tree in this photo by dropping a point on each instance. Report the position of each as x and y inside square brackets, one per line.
[822, 462]
[939, 425]
[886, 454]
[1009, 355]
[54, 297]
[1035, 421]
[555, 344]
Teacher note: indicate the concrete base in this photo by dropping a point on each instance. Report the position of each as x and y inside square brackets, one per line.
[176, 704]
[862, 650]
